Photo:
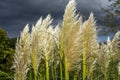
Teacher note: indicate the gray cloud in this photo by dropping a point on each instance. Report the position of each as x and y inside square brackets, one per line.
[15, 14]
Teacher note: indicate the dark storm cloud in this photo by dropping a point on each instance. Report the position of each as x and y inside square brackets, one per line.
[15, 14]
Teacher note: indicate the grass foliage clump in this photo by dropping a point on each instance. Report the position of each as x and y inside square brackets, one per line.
[69, 51]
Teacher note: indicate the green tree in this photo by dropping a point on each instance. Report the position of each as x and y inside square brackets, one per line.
[112, 18]
[6, 55]
[12, 42]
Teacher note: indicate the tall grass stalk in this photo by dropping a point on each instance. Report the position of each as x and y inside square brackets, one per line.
[75, 76]
[84, 63]
[69, 37]
[47, 68]
[61, 65]
[22, 54]
[48, 45]
[38, 35]
[66, 70]
[89, 47]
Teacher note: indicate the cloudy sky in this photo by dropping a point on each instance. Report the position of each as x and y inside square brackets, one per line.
[15, 14]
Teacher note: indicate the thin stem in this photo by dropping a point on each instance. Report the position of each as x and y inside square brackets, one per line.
[75, 76]
[84, 65]
[61, 56]
[47, 68]
[55, 72]
[106, 78]
[66, 70]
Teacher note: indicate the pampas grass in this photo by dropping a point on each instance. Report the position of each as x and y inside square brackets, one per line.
[89, 46]
[116, 45]
[68, 51]
[69, 37]
[22, 55]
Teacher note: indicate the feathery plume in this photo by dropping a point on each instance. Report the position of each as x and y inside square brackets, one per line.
[38, 41]
[89, 46]
[116, 45]
[69, 38]
[22, 54]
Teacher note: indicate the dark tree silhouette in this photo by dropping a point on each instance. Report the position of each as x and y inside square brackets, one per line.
[112, 18]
